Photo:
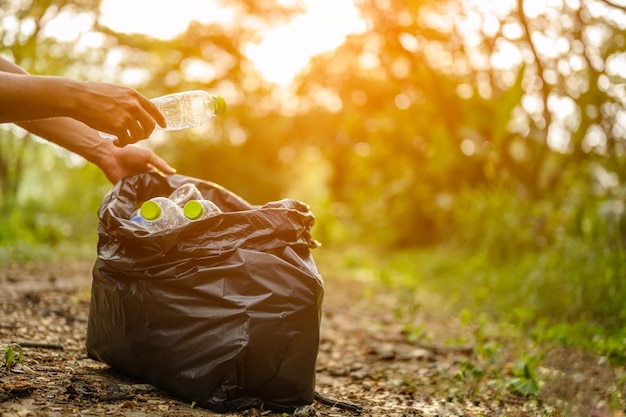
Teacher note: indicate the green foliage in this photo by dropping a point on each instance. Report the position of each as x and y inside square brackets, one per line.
[55, 216]
[496, 360]
[13, 354]
[524, 381]
[561, 294]
[589, 336]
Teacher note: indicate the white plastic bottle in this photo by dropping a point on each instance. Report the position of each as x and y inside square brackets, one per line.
[161, 213]
[185, 193]
[185, 109]
[200, 209]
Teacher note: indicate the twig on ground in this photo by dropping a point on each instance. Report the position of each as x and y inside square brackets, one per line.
[42, 345]
[331, 402]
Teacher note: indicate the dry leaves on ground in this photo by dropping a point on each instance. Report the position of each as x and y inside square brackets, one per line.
[365, 359]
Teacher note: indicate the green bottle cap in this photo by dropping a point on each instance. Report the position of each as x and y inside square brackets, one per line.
[220, 106]
[193, 210]
[150, 210]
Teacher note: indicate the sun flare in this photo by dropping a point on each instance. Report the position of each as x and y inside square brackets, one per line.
[158, 18]
[287, 49]
[284, 51]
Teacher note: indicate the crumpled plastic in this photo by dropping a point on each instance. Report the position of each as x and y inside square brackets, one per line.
[224, 312]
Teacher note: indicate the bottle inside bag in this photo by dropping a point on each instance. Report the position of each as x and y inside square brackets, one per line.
[200, 209]
[161, 213]
[185, 193]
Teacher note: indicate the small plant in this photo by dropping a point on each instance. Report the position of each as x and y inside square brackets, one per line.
[524, 381]
[415, 332]
[10, 355]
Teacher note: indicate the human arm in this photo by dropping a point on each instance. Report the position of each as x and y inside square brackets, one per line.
[115, 162]
[120, 111]
[75, 136]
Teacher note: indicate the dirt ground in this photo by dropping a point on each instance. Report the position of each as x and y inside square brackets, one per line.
[366, 359]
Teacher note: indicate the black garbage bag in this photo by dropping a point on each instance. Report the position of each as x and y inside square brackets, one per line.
[223, 311]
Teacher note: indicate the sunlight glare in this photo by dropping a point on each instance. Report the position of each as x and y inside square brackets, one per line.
[159, 18]
[68, 27]
[284, 51]
[287, 49]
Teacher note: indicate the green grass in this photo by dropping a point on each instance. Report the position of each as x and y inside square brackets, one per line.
[24, 252]
[570, 293]
[516, 314]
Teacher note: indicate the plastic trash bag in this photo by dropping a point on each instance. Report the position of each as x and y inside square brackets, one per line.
[223, 311]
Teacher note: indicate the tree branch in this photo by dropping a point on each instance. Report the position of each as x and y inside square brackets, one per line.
[544, 90]
[611, 4]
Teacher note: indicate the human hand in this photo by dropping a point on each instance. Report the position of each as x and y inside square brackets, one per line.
[130, 160]
[116, 110]
[112, 109]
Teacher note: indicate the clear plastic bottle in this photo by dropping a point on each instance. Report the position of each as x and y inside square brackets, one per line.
[161, 213]
[200, 209]
[184, 193]
[189, 108]
[185, 109]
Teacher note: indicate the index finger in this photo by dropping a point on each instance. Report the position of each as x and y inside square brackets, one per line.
[154, 112]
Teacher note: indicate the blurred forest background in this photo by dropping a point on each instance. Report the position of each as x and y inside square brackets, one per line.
[474, 147]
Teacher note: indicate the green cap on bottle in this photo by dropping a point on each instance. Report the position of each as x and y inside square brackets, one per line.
[150, 210]
[193, 210]
[220, 106]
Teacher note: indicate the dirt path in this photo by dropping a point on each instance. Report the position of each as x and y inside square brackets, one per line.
[365, 358]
